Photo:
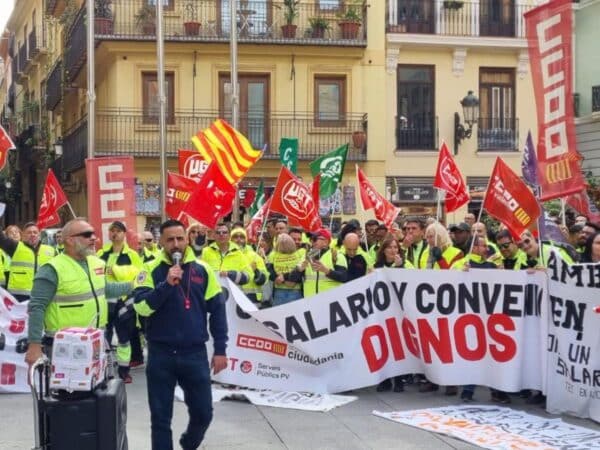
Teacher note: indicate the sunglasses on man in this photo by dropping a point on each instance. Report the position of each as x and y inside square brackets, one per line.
[84, 234]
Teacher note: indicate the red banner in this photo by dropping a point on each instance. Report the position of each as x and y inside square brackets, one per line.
[256, 222]
[220, 194]
[191, 164]
[293, 199]
[179, 191]
[6, 144]
[371, 199]
[549, 29]
[53, 198]
[111, 195]
[510, 200]
[449, 179]
[581, 203]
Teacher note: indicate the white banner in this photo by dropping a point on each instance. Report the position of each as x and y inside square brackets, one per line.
[13, 344]
[498, 428]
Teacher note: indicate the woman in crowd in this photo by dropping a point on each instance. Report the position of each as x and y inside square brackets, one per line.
[13, 232]
[196, 239]
[282, 261]
[591, 252]
[391, 255]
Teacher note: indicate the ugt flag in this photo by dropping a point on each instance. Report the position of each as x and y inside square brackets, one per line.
[449, 179]
[509, 200]
[288, 153]
[52, 200]
[293, 199]
[6, 144]
[331, 168]
[371, 199]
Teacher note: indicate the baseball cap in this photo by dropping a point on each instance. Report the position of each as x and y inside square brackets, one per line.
[322, 233]
[460, 227]
[119, 225]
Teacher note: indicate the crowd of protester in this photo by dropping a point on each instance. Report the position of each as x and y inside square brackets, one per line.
[286, 264]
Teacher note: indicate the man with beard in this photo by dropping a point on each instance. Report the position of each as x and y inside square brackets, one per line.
[74, 278]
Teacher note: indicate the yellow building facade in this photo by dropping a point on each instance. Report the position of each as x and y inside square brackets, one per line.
[388, 84]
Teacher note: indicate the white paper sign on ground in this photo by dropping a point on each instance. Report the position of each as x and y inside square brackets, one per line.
[498, 428]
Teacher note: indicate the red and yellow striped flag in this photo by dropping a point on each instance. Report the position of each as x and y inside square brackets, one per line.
[231, 150]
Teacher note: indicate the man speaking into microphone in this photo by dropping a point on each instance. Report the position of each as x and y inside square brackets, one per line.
[181, 298]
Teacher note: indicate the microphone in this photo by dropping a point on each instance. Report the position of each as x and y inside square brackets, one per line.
[176, 257]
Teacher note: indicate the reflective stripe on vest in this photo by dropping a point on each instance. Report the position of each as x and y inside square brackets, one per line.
[77, 297]
[24, 263]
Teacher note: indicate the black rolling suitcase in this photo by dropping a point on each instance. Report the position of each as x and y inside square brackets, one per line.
[90, 421]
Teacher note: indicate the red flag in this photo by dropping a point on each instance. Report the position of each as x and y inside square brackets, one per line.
[249, 196]
[212, 199]
[580, 202]
[371, 199]
[179, 191]
[549, 34]
[314, 187]
[6, 144]
[191, 164]
[449, 179]
[52, 199]
[256, 223]
[510, 201]
[293, 198]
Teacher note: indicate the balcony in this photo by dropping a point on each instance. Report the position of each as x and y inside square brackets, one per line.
[75, 48]
[489, 18]
[75, 146]
[258, 21]
[12, 95]
[419, 132]
[121, 132]
[54, 87]
[37, 41]
[595, 98]
[21, 63]
[495, 134]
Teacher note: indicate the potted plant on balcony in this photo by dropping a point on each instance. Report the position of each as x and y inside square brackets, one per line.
[145, 19]
[103, 17]
[290, 13]
[318, 26]
[453, 4]
[350, 22]
[191, 26]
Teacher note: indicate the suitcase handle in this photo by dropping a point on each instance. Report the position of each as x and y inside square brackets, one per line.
[41, 366]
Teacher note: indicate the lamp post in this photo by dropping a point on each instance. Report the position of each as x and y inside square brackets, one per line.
[58, 147]
[470, 105]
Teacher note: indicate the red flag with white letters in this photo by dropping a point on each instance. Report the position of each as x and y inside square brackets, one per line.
[212, 199]
[510, 200]
[53, 199]
[179, 191]
[294, 199]
[371, 199]
[549, 35]
[449, 179]
[6, 144]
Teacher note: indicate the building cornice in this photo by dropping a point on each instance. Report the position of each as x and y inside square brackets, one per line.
[442, 41]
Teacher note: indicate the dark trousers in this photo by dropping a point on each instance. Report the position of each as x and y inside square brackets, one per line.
[137, 352]
[164, 370]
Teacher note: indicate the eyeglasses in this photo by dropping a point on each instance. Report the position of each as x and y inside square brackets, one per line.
[84, 234]
[237, 236]
[222, 232]
[505, 245]
[149, 240]
[526, 241]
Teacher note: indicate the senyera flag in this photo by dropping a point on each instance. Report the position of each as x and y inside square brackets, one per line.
[293, 199]
[371, 199]
[228, 148]
[179, 191]
[449, 179]
[53, 198]
[6, 144]
[212, 198]
[510, 200]
[549, 30]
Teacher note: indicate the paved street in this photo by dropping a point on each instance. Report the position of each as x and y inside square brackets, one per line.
[240, 425]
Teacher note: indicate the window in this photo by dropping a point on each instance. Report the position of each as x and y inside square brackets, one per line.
[330, 101]
[151, 105]
[168, 5]
[415, 120]
[497, 123]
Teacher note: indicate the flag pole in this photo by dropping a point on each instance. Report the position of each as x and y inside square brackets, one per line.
[563, 211]
[160, 55]
[481, 210]
[235, 118]
[71, 209]
[439, 205]
[91, 82]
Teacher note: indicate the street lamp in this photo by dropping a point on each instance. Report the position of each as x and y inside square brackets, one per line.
[470, 106]
[58, 147]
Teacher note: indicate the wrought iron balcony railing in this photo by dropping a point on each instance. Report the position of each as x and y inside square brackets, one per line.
[124, 132]
[316, 22]
[22, 59]
[54, 87]
[499, 18]
[37, 41]
[12, 95]
[494, 134]
[595, 98]
[418, 132]
[75, 48]
[75, 146]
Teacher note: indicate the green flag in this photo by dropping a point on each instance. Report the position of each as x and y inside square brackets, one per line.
[259, 200]
[288, 153]
[331, 168]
